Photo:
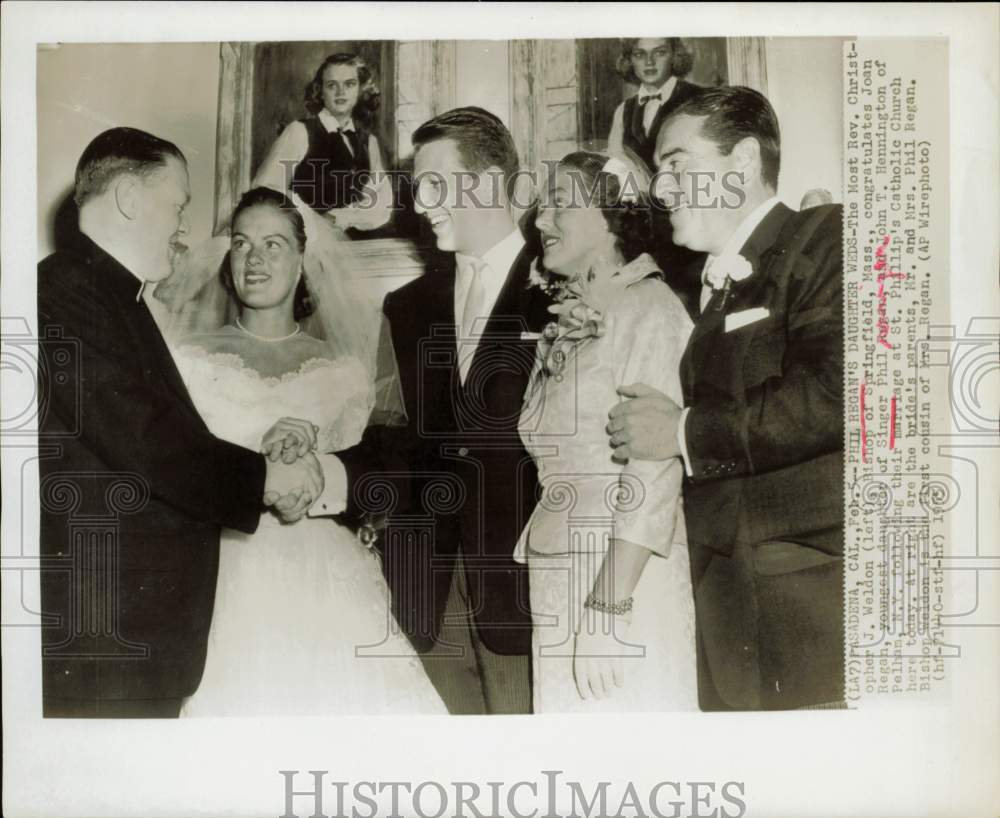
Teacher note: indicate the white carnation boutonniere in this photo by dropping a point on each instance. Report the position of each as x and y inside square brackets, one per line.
[739, 268]
[725, 270]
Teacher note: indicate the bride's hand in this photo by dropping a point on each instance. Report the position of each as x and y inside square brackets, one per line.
[597, 657]
[288, 440]
[308, 482]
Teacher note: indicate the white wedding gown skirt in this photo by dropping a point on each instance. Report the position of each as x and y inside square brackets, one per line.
[302, 626]
[302, 623]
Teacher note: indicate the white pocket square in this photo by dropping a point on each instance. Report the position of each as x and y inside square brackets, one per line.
[735, 320]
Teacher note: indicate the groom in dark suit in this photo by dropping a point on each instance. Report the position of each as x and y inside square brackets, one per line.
[134, 488]
[761, 431]
[462, 483]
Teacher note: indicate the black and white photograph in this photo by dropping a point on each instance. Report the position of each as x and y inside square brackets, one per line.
[591, 383]
[610, 479]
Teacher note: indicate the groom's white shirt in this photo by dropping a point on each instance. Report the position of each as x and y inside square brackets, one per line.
[498, 260]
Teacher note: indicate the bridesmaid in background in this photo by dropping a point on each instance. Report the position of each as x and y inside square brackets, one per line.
[656, 65]
[337, 160]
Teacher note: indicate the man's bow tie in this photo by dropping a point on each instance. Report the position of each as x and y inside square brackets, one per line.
[644, 98]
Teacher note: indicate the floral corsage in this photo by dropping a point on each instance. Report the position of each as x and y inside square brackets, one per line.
[578, 320]
[581, 306]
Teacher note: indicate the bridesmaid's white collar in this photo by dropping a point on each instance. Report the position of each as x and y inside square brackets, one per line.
[664, 90]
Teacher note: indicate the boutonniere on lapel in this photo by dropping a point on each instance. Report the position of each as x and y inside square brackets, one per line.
[724, 271]
[578, 319]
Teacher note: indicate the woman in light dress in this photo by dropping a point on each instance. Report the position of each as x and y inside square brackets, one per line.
[301, 623]
[609, 576]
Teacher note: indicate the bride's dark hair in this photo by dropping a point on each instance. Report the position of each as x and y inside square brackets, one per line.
[303, 305]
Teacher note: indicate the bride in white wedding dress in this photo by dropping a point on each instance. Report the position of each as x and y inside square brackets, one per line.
[302, 623]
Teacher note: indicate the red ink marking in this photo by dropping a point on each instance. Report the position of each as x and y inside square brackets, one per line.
[880, 279]
[892, 423]
[864, 429]
[880, 254]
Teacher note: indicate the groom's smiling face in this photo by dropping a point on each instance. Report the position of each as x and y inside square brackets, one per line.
[451, 196]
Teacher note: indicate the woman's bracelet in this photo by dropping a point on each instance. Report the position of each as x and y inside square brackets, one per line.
[621, 608]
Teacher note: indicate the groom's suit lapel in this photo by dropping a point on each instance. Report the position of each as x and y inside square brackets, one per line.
[713, 354]
[514, 312]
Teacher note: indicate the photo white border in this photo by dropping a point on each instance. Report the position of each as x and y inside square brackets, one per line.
[907, 761]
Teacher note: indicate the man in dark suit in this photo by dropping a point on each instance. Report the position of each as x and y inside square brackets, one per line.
[134, 489]
[761, 431]
[462, 482]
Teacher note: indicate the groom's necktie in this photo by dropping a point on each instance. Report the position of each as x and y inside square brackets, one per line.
[475, 302]
[708, 283]
[718, 269]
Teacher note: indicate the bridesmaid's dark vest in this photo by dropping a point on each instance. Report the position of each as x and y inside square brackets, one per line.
[329, 175]
[681, 267]
[635, 137]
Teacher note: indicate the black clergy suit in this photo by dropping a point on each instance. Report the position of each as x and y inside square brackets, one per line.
[134, 491]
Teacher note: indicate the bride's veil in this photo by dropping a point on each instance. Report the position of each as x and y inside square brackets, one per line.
[346, 317]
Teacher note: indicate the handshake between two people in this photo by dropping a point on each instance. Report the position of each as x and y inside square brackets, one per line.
[294, 476]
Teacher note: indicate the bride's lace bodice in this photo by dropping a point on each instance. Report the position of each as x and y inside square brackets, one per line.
[239, 404]
[301, 599]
